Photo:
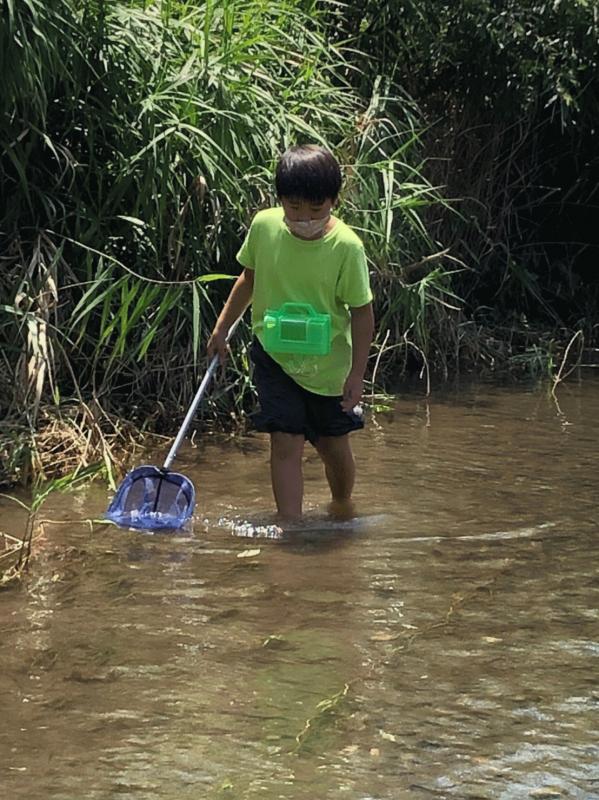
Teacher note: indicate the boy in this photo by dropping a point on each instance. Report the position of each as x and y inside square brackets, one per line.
[300, 253]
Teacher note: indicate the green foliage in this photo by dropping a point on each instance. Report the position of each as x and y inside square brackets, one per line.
[509, 56]
[128, 181]
[138, 138]
[510, 90]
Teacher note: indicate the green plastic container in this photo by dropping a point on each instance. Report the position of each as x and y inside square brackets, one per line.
[297, 328]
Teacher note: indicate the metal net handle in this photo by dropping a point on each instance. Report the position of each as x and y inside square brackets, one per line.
[196, 401]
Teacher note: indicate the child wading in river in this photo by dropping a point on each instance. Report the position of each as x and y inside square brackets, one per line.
[299, 252]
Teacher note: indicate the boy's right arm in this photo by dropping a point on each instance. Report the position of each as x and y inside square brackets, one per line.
[239, 299]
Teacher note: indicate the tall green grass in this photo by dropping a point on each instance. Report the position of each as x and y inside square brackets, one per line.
[138, 140]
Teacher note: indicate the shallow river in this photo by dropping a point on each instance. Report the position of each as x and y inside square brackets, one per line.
[443, 645]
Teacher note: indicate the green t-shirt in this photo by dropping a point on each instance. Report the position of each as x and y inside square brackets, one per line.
[330, 273]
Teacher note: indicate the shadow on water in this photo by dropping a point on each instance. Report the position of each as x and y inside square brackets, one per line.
[442, 644]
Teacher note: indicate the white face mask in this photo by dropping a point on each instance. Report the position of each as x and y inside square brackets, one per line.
[307, 229]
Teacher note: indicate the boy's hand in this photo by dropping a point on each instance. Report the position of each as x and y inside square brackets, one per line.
[217, 345]
[352, 391]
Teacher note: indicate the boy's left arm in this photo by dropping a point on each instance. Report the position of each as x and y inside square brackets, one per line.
[362, 330]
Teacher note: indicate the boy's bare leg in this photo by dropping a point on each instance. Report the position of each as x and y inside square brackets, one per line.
[340, 469]
[286, 450]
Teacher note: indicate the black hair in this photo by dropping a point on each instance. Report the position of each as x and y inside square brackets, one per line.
[308, 172]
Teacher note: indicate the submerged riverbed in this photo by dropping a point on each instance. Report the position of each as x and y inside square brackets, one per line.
[443, 645]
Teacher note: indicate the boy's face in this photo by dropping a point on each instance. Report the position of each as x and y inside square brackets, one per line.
[299, 210]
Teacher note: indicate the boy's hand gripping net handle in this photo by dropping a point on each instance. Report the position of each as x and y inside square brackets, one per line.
[195, 402]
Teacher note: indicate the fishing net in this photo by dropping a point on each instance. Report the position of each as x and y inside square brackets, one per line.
[150, 498]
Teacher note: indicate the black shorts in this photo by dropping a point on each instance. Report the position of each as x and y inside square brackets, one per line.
[287, 407]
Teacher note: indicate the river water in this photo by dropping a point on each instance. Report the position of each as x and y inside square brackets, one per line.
[444, 644]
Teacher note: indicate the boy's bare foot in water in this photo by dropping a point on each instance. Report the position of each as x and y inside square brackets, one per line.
[342, 510]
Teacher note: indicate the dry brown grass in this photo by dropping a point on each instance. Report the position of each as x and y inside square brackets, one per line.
[67, 439]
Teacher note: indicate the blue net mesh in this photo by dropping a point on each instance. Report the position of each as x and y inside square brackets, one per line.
[152, 499]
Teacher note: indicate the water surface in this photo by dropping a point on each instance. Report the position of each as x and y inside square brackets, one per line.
[445, 645]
